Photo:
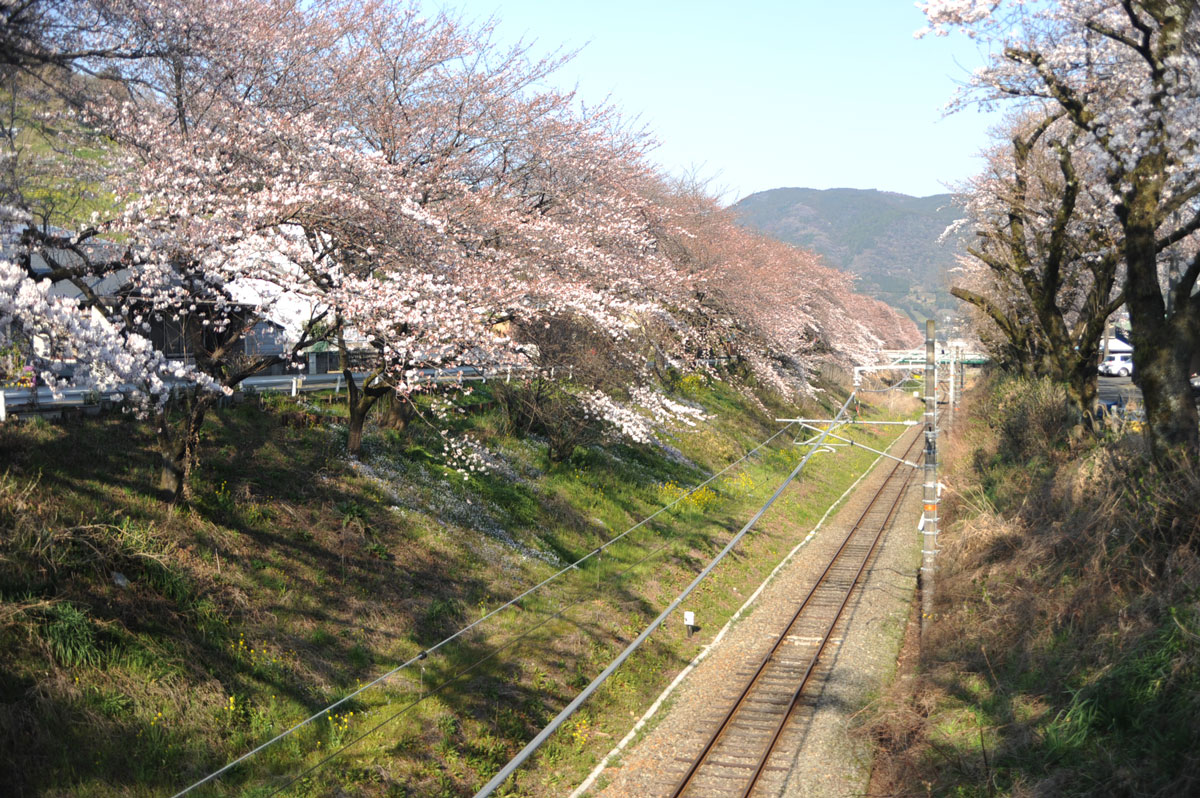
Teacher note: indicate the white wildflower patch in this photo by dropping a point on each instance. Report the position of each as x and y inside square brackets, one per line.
[464, 454]
[416, 487]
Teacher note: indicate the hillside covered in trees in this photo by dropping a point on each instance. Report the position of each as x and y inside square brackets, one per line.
[892, 243]
[396, 187]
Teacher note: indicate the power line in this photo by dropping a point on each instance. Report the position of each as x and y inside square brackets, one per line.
[457, 677]
[510, 603]
[587, 692]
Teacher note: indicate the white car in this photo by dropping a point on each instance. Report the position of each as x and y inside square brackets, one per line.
[1119, 364]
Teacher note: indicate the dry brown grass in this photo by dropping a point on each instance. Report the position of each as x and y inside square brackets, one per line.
[1067, 610]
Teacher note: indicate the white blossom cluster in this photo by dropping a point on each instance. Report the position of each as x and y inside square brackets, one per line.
[464, 454]
[664, 410]
[625, 419]
[394, 183]
[638, 419]
[104, 358]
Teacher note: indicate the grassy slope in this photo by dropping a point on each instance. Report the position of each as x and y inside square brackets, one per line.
[298, 576]
[1065, 659]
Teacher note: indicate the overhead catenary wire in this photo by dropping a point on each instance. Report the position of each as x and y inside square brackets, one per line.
[505, 606]
[458, 676]
[899, 363]
[829, 433]
[891, 387]
[587, 692]
[707, 649]
[462, 673]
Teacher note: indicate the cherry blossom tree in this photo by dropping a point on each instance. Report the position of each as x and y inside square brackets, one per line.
[380, 176]
[210, 152]
[1125, 73]
[537, 212]
[64, 33]
[1045, 265]
[787, 312]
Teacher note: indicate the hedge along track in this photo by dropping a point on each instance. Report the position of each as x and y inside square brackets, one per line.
[734, 759]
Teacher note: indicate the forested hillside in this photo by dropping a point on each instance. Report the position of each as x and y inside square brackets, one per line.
[890, 242]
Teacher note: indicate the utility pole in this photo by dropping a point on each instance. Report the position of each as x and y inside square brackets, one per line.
[962, 374]
[951, 385]
[929, 516]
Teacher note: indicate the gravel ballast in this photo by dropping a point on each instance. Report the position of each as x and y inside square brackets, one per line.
[824, 759]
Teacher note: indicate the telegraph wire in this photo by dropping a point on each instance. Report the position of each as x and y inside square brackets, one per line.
[462, 674]
[587, 692]
[511, 602]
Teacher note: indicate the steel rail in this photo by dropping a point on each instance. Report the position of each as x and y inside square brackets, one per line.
[686, 780]
[812, 665]
[570, 709]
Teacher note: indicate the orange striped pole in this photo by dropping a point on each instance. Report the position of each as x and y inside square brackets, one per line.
[929, 517]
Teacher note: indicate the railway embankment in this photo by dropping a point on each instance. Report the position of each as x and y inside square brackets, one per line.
[1064, 658]
[304, 598]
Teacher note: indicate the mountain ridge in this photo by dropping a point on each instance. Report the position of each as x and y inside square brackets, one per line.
[889, 240]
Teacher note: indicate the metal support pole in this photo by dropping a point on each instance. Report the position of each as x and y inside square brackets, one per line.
[929, 518]
[962, 376]
[952, 398]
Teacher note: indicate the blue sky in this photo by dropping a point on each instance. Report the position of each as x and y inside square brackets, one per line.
[813, 93]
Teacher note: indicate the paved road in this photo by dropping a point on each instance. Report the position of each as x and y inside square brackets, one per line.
[24, 400]
[1118, 390]
[1121, 390]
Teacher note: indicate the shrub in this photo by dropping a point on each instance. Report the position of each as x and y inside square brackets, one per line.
[1033, 416]
[542, 407]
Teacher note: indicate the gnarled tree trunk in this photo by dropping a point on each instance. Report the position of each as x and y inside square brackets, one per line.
[179, 444]
[1162, 344]
[361, 400]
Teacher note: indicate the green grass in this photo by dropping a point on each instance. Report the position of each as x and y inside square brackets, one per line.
[295, 577]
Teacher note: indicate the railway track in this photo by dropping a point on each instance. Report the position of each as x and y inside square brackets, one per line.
[750, 743]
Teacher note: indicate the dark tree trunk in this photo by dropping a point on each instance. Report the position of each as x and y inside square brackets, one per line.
[357, 419]
[361, 400]
[179, 446]
[400, 413]
[1160, 369]
[1162, 346]
[173, 458]
[1083, 391]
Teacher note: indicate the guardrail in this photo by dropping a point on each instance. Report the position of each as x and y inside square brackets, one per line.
[17, 402]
